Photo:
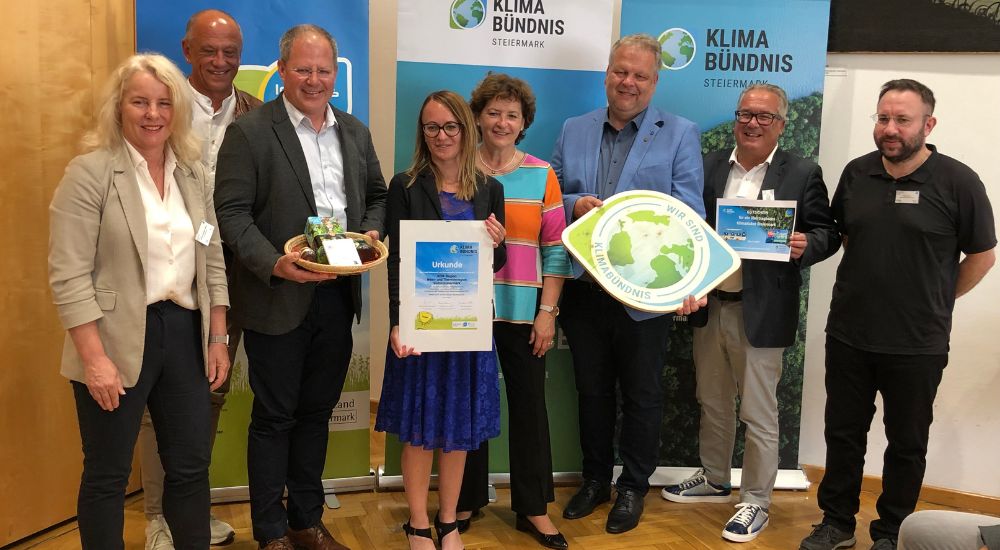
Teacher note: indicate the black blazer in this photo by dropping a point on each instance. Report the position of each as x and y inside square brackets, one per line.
[263, 195]
[771, 289]
[420, 201]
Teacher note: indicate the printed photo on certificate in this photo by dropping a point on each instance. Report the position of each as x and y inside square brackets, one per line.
[756, 229]
[445, 285]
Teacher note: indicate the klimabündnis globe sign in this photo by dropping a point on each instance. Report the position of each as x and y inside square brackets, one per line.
[650, 250]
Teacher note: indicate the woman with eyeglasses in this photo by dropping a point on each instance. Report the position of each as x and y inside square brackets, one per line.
[447, 402]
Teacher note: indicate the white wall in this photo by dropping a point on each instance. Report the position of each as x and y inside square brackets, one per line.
[964, 442]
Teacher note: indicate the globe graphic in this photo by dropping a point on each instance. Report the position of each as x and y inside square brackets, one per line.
[467, 14]
[678, 49]
[649, 251]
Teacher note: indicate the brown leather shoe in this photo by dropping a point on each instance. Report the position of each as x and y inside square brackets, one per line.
[315, 538]
[278, 544]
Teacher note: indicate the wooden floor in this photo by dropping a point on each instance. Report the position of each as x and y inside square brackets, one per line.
[372, 521]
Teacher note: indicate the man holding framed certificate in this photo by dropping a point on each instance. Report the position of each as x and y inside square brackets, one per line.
[739, 339]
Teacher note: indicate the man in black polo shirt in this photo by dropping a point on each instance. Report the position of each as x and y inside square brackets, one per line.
[907, 215]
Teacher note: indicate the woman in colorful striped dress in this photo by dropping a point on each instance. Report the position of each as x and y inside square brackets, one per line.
[527, 295]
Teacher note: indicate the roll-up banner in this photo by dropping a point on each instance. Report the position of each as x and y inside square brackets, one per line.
[711, 51]
[560, 48]
[160, 27]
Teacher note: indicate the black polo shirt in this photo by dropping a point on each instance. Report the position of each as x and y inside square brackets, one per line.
[895, 288]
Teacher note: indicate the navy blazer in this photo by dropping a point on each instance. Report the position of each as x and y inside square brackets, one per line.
[263, 195]
[771, 289]
[420, 201]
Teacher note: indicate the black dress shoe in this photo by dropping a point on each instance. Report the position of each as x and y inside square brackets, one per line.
[591, 494]
[549, 541]
[625, 513]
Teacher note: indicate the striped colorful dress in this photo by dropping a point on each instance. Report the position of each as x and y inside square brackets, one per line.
[534, 224]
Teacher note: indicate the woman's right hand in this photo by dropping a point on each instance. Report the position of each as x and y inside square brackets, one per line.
[102, 380]
[398, 348]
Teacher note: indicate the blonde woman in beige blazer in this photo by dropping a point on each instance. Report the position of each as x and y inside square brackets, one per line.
[137, 276]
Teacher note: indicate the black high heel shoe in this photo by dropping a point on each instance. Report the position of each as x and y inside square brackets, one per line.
[464, 524]
[413, 531]
[444, 529]
[557, 541]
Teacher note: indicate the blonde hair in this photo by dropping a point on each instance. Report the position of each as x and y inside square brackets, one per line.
[107, 132]
[468, 174]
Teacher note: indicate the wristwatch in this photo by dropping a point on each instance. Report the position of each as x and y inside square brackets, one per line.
[554, 310]
[219, 339]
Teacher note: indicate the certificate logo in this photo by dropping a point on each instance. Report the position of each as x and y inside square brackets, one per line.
[678, 49]
[467, 14]
[649, 250]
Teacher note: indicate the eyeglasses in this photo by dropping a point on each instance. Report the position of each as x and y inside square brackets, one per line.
[306, 72]
[432, 129]
[764, 119]
[901, 121]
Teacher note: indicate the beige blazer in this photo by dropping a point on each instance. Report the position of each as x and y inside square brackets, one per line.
[97, 256]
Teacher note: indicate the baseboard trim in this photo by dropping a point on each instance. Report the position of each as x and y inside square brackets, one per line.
[937, 495]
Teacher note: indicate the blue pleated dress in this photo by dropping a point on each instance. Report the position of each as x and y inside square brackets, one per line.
[442, 400]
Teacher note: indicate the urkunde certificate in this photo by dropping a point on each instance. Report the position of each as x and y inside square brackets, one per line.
[756, 229]
[445, 285]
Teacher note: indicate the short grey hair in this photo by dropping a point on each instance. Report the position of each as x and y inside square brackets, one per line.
[285, 44]
[638, 40]
[772, 88]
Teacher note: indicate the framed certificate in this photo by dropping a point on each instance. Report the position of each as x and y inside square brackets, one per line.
[445, 285]
[756, 229]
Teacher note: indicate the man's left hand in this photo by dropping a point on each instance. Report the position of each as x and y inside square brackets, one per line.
[798, 242]
[691, 305]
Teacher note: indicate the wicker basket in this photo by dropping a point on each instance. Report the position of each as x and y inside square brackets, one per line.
[299, 242]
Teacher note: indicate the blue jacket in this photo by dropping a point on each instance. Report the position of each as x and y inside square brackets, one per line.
[665, 157]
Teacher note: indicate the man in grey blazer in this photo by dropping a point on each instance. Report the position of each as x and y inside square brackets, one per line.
[739, 339]
[292, 158]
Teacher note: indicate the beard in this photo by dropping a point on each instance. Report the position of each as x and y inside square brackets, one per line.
[906, 148]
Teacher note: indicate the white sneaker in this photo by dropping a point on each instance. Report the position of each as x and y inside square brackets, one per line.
[746, 524]
[222, 532]
[696, 488]
[158, 534]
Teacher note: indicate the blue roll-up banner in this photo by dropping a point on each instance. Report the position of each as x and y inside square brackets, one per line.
[160, 27]
[560, 48]
[712, 50]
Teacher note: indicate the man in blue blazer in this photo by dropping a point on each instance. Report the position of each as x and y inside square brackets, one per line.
[752, 316]
[628, 145]
[292, 158]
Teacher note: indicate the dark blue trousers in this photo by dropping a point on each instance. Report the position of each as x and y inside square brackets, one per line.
[173, 385]
[296, 379]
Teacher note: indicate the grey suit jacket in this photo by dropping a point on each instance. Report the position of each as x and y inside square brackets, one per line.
[263, 195]
[771, 289]
[97, 256]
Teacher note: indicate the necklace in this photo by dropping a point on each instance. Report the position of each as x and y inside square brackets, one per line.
[494, 171]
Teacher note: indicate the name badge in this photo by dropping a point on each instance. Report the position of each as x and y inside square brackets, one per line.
[907, 197]
[204, 235]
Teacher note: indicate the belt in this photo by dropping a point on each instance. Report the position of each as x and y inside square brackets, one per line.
[724, 296]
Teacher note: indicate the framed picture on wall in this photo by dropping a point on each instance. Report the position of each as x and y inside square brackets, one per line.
[914, 26]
